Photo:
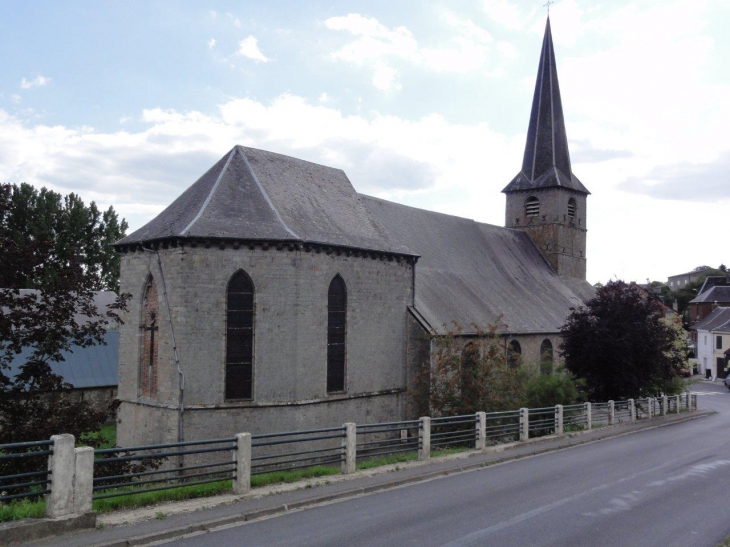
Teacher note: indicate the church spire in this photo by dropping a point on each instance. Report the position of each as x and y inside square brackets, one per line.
[546, 162]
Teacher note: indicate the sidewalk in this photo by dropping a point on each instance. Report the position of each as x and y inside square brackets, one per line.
[169, 520]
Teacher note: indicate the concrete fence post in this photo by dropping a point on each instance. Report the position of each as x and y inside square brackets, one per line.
[676, 398]
[524, 424]
[694, 401]
[242, 457]
[664, 405]
[649, 406]
[589, 417]
[611, 413]
[424, 432]
[349, 443]
[559, 420]
[481, 442]
[632, 411]
[83, 479]
[62, 465]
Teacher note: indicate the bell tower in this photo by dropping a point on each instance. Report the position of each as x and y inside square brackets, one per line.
[546, 199]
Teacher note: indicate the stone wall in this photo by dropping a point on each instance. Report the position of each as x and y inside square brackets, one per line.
[289, 341]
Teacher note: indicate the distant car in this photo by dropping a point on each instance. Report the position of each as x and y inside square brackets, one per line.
[727, 381]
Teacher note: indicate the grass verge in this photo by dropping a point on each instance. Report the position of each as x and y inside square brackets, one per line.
[22, 509]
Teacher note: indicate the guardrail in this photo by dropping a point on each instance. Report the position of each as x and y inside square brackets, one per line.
[121, 471]
[72, 477]
[32, 459]
[265, 459]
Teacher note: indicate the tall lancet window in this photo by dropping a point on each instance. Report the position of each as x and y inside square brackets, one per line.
[150, 340]
[336, 335]
[532, 206]
[571, 208]
[239, 337]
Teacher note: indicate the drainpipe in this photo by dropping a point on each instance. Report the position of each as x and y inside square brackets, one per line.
[180, 375]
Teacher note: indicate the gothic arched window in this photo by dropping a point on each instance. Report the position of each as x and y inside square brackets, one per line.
[546, 357]
[336, 335]
[239, 337]
[572, 208]
[469, 371]
[532, 206]
[150, 340]
[514, 353]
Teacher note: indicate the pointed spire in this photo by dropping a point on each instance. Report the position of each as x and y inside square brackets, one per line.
[546, 162]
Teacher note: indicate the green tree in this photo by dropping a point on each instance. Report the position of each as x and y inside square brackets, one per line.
[45, 323]
[622, 346]
[78, 233]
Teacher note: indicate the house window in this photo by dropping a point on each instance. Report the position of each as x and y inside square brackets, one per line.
[239, 337]
[571, 208]
[150, 340]
[336, 335]
[719, 342]
[514, 352]
[546, 357]
[532, 206]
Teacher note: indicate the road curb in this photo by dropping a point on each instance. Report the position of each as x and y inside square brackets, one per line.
[247, 516]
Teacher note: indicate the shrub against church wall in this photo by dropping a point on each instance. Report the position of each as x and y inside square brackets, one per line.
[290, 340]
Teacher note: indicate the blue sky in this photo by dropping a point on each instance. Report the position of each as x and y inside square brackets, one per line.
[128, 103]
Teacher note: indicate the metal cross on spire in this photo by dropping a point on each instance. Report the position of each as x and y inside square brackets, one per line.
[547, 5]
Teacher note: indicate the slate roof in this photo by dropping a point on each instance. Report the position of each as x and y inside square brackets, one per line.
[713, 281]
[90, 367]
[720, 317]
[471, 272]
[253, 194]
[546, 162]
[715, 294]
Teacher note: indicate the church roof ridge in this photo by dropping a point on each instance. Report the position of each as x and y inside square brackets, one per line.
[546, 161]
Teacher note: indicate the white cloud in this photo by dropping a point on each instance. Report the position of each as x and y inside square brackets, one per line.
[384, 77]
[505, 13]
[249, 48]
[379, 47]
[324, 98]
[17, 99]
[38, 81]
[211, 43]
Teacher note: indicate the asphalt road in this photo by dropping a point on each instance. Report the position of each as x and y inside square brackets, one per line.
[662, 487]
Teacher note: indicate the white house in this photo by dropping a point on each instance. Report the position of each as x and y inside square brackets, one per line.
[713, 341]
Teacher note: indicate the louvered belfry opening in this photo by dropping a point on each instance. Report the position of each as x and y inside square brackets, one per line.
[532, 207]
[571, 208]
[239, 337]
[336, 333]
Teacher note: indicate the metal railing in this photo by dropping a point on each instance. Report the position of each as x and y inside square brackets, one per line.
[542, 421]
[266, 458]
[31, 459]
[502, 426]
[387, 438]
[453, 430]
[575, 417]
[123, 471]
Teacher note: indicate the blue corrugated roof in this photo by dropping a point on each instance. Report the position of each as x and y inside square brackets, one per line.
[95, 366]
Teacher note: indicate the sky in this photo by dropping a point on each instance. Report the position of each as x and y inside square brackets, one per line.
[127, 103]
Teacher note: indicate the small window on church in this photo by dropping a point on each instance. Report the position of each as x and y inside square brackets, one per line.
[514, 353]
[239, 337]
[336, 335]
[571, 208]
[546, 357]
[532, 206]
[149, 337]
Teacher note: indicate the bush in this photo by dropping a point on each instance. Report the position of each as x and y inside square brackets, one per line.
[559, 388]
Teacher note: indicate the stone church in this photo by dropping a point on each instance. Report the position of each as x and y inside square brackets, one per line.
[272, 296]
